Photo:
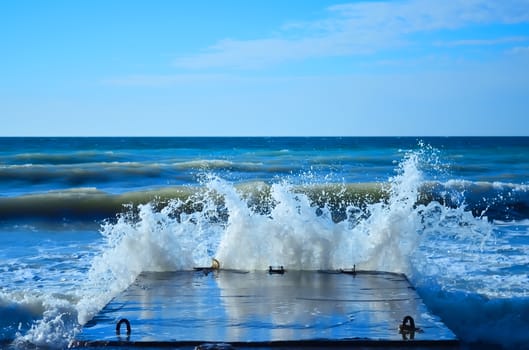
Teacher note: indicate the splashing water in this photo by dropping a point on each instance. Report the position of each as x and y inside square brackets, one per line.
[440, 248]
[293, 232]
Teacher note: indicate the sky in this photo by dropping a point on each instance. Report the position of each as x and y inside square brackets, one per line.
[264, 68]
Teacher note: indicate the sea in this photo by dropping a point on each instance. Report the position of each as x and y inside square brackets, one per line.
[82, 217]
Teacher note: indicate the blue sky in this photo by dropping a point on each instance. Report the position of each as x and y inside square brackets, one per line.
[264, 68]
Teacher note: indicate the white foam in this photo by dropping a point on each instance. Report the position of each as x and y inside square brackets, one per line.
[43, 319]
[433, 244]
[295, 234]
[154, 241]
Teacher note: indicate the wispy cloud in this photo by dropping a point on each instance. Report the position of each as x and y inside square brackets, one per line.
[358, 29]
[519, 50]
[483, 42]
[160, 80]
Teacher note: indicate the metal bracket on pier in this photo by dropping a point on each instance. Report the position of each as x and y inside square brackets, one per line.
[118, 327]
[408, 329]
[276, 270]
[215, 266]
[349, 272]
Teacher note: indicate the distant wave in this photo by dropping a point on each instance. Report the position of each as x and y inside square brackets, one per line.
[496, 201]
[80, 157]
[216, 164]
[98, 173]
[79, 203]
[65, 176]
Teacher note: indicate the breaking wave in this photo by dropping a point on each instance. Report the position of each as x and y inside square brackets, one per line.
[427, 230]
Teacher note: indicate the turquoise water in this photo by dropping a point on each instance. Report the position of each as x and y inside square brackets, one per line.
[80, 218]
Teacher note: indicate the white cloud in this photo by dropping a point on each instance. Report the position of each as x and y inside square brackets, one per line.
[519, 50]
[358, 29]
[482, 42]
[160, 80]
[422, 15]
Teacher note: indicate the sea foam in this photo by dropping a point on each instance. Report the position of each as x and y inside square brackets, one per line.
[437, 246]
[292, 232]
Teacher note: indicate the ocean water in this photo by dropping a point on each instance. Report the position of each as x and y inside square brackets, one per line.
[81, 218]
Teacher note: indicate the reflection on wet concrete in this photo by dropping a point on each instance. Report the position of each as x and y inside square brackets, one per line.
[234, 306]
